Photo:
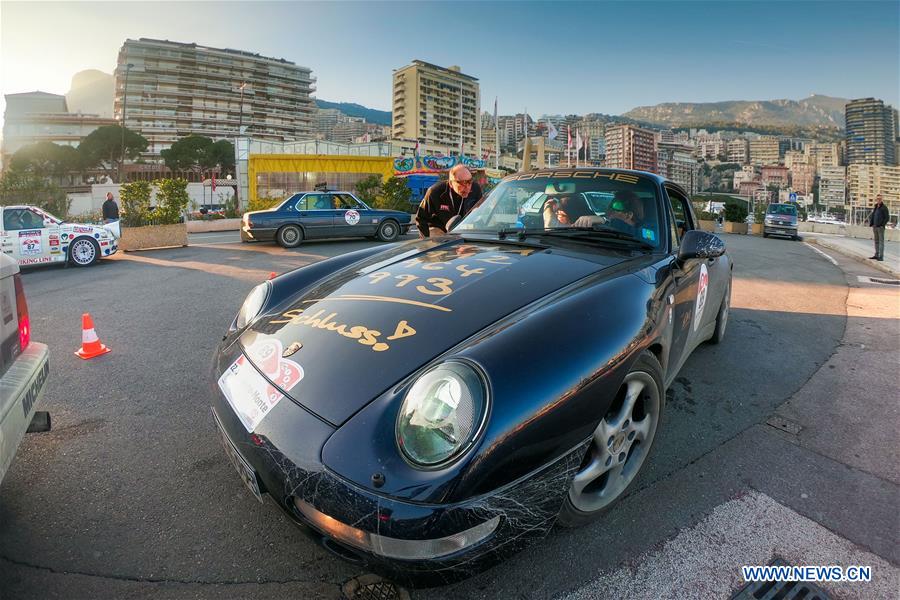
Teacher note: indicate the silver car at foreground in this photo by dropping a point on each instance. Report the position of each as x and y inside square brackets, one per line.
[23, 364]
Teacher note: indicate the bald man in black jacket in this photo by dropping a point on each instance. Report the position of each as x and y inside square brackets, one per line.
[445, 200]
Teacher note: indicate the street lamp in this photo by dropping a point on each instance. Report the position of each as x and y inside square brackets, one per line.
[124, 103]
[237, 200]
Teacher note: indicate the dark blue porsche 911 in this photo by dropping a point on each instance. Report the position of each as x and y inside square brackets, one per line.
[429, 408]
[316, 215]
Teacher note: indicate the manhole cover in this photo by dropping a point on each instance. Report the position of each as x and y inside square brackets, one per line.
[779, 422]
[780, 590]
[373, 587]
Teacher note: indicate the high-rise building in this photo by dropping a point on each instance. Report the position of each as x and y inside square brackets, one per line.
[871, 132]
[774, 175]
[348, 130]
[326, 119]
[803, 176]
[630, 147]
[792, 157]
[677, 162]
[437, 105]
[764, 151]
[865, 181]
[41, 117]
[823, 154]
[176, 89]
[833, 187]
[738, 151]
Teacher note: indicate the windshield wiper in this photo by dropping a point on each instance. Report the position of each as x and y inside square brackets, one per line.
[519, 231]
[593, 231]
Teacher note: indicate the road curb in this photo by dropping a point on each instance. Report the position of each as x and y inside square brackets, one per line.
[850, 254]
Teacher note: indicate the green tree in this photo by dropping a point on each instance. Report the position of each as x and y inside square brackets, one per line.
[172, 200]
[368, 188]
[27, 187]
[199, 153]
[103, 148]
[735, 213]
[46, 159]
[395, 195]
[135, 197]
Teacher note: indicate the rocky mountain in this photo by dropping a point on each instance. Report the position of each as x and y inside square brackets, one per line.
[815, 111]
[92, 92]
[379, 117]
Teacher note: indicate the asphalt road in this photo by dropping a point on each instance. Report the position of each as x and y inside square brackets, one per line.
[130, 494]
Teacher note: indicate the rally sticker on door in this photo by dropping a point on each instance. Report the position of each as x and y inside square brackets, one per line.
[30, 243]
[352, 217]
[250, 394]
[702, 287]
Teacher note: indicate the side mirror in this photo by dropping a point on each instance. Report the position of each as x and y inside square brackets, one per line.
[700, 244]
[453, 221]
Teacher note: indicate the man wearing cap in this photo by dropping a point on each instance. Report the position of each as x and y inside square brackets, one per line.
[445, 200]
[877, 220]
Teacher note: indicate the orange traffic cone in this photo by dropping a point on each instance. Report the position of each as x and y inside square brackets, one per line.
[273, 275]
[90, 343]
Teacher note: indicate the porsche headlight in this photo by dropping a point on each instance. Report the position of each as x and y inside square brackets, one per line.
[253, 303]
[442, 414]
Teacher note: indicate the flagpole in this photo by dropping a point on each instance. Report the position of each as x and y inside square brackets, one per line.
[497, 135]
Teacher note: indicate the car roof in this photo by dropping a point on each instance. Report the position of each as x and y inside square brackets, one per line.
[23, 206]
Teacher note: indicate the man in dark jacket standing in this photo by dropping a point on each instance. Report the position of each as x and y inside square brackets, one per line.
[445, 200]
[110, 209]
[877, 220]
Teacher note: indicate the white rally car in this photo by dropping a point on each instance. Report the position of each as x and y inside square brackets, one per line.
[33, 236]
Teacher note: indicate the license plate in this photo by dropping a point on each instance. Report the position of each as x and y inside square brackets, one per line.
[248, 475]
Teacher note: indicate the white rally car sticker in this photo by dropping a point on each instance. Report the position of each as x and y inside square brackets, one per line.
[702, 287]
[30, 243]
[352, 217]
[250, 395]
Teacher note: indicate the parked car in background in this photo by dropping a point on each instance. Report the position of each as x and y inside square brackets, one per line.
[32, 236]
[781, 219]
[316, 215]
[23, 363]
[429, 408]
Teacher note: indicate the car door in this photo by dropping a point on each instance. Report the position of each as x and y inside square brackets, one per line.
[353, 218]
[690, 283]
[317, 215]
[27, 236]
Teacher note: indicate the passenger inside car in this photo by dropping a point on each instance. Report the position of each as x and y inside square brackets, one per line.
[564, 211]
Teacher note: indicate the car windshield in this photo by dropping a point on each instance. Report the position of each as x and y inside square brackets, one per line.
[608, 204]
[782, 209]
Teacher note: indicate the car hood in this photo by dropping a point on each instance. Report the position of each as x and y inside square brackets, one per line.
[365, 328]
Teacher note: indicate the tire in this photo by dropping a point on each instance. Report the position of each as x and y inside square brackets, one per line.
[84, 252]
[388, 231]
[289, 236]
[722, 317]
[616, 452]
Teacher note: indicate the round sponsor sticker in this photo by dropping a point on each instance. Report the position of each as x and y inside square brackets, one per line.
[352, 217]
[702, 287]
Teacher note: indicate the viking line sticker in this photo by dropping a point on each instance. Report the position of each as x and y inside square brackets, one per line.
[702, 287]
[352, 217]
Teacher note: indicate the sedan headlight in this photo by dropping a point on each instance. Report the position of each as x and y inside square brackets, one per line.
[442, 414]
[253, 303]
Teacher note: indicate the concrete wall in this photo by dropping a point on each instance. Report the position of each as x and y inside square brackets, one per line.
[87, 203]
[854, 231]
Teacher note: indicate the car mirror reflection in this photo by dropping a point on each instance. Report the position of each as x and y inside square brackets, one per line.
[700, 244]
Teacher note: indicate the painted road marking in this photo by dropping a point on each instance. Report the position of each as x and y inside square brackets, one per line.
[831, 260]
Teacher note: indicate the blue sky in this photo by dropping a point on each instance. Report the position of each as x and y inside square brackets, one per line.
[562, 57]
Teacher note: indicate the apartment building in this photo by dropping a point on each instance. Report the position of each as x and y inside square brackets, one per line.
[822, 154]
[865, 181]
[630, 147]
[764, 150]
[871, 129]
[803, 176]
[41, 117]
[738, 151]
[437, 105]
[833, 187]
[677, 162]
[774, 175]
[169, 90]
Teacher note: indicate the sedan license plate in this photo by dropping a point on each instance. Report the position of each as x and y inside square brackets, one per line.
[247, 473]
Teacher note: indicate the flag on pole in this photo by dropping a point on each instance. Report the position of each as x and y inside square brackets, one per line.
[552, 131]
[495, 111]
[569, 146]
[213, 182]
[579, 143]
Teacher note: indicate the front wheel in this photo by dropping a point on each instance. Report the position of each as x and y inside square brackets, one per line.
[289, 236]
[388, 231]
[619, 446]
[84, 252]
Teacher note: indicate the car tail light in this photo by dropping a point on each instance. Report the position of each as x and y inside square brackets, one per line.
[22, 313]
